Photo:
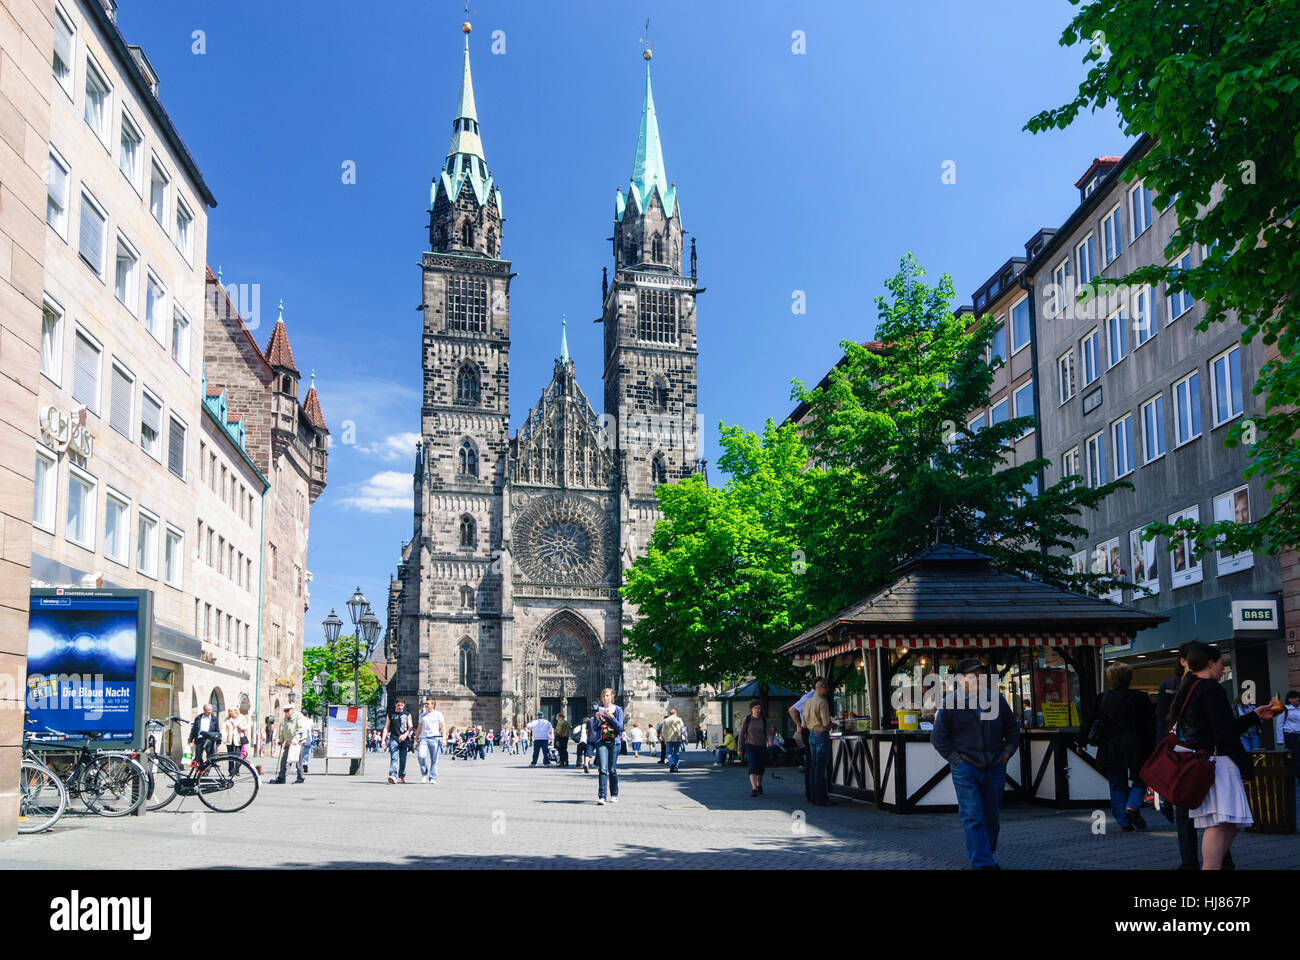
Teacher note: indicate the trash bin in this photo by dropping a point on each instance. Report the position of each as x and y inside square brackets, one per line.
[1271, 792]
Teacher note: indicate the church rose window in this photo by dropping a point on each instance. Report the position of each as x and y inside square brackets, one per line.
[656, 316]
[467, 304]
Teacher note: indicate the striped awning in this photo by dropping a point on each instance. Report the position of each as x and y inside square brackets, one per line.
[959, 641]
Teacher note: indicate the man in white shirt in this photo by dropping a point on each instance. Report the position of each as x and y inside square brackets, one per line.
[428, 737]
[801, 735]
[540, 732]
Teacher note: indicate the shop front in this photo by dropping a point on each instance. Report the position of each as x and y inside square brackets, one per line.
[892, 657]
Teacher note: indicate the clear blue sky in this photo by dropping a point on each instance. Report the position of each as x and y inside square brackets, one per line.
[812, 172]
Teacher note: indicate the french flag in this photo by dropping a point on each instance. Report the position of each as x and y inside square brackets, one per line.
[344, 713]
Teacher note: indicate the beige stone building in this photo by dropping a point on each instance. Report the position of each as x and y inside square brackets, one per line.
[26, 37]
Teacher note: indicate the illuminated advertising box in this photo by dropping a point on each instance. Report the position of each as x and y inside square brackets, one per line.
[88, 665]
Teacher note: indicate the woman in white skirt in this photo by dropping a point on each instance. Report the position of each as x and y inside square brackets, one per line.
[1206, 721]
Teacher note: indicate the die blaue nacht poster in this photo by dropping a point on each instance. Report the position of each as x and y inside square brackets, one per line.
[83, 660]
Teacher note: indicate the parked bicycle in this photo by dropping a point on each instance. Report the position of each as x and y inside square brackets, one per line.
[109, 783]
[42, 797]
[224, 782]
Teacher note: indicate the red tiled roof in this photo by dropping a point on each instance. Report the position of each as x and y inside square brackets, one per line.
[214, 391]
[278, 352]
[311, 407]
[1097, 162]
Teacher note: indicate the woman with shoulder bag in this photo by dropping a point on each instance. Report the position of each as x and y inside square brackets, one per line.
[753, 740]
[1205, 721]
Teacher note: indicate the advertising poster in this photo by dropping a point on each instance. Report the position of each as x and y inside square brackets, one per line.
[84, 651]
[345, 736]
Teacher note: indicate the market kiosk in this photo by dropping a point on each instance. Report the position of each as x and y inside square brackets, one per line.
[889, 659]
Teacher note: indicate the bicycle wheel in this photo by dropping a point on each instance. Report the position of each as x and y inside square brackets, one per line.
[113, 785]
[42, 798]
[165, 776]
[227, 783]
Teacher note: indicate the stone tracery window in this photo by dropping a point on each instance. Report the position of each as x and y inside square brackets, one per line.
[467, 304]
[656, 316]
[468, 531]
[466, 234]
[467, 461]
[467, 384]
[658, 469]
[465, 674]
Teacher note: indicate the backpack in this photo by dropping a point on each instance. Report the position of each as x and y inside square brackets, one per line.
[1099, 732]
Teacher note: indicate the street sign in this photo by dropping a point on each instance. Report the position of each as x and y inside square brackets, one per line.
[346, 733]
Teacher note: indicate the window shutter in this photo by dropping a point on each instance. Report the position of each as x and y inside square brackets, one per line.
[151, 414]
[119, 412]
[176, 449]
[62, 46]
[92, 236]
[85, 375]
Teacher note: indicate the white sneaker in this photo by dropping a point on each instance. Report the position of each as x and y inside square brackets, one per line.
[601, 801]
[391, 778]
[424, 779]
[613, 799]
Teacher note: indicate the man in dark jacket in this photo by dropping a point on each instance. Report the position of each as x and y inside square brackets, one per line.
[976, 732]
[205, 734]
[1125, 724]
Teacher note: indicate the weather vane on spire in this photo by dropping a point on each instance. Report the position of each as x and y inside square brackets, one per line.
[465, 27]
[645, 41]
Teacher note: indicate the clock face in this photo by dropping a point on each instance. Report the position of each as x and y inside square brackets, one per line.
[558, 540]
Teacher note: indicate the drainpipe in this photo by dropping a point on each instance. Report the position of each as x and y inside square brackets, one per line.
[261, 580]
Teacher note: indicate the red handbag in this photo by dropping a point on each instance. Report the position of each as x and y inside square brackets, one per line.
[1182, 778]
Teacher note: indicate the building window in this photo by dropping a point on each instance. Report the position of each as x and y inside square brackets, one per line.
[47, 473]
[466, 234]
[656, 316]
[1065, 376]
[1146, 565]
[975, 425]
[184, 231]
[1116, 338]
[86, 357]
[126, 275]
[1139, 204]
[1233, 506]
[1179, 301]
[1225, 385]
[1083, 261]
[99, 98]
[180, 338]
[1153, 429]
[1096, 454]
[64, 42]
[1020, 325]
[467, 598]
[1070, 463]
[158, 184]
[151, 425]
[80, 525]
[128, 157]
[1182, 555]
[173, 557]
[1000, 412]
[1090, 348]
[660, 395]
[467, 384]
[52, 341]
[998, 346]
[491, 242]
[1111, 238]
[467, 304]
[117, 519]
[1187, 409]
[91, 239]
[465, 674]
[176, 448]
[155, 306]
[467, 460]
[1122, 436]
[1024, 401]
[657, 250]
[468, 531]
[1060, 291]
[57, 185]
[658, 470]
[1144, 316]
[121, 400]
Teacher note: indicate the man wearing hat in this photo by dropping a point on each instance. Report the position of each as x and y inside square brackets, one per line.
[976, 732]
[540, 731]
[290, 732]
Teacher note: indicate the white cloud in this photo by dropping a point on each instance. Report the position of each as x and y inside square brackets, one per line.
[397, 446]
[384, 492]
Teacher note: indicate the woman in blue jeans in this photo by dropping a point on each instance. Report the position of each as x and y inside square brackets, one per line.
[605, 731]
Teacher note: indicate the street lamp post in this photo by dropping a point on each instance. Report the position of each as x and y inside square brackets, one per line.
[365, 632]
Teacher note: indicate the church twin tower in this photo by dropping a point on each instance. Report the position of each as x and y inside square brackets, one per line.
[506, 600]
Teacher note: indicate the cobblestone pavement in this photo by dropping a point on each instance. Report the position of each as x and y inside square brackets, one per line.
[501, 813]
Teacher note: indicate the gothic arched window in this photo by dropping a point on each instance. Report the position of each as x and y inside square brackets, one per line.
[661, 395]
[467, 597]
[468, 531]
[658, 469]
[491, 242]
[467, 384]
[467, 234]
[467, 463]
[658, 250]
[629, 250]
[466, 671]
[287, 384]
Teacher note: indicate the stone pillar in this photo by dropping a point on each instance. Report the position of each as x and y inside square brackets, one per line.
[26, 39]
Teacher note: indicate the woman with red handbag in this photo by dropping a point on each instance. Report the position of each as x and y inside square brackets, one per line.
[1206, 721]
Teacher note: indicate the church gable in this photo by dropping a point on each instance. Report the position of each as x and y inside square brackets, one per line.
[562, 442]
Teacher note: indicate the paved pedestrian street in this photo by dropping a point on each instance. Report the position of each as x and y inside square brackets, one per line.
[500, 813]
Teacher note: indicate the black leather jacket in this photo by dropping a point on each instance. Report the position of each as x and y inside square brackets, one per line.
[1207, 722]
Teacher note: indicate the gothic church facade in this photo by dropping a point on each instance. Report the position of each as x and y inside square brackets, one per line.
[506, 599]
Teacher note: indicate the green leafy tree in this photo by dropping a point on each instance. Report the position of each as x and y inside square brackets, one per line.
[1216, 84]
[337, 689]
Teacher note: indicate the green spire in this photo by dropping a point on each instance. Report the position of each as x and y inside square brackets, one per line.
[464, 137]
[465, 161]
[648, 166]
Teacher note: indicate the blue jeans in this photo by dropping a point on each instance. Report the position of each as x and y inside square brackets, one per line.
[1123, 796]
[979, 798]
[607, 765]
[674, 754]
[427, 754]
[819, 758]
[397, 749]
[539, 746]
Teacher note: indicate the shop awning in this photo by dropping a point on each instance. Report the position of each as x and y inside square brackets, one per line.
[964, 641]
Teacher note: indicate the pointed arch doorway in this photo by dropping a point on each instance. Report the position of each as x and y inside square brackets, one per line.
[562, 668]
